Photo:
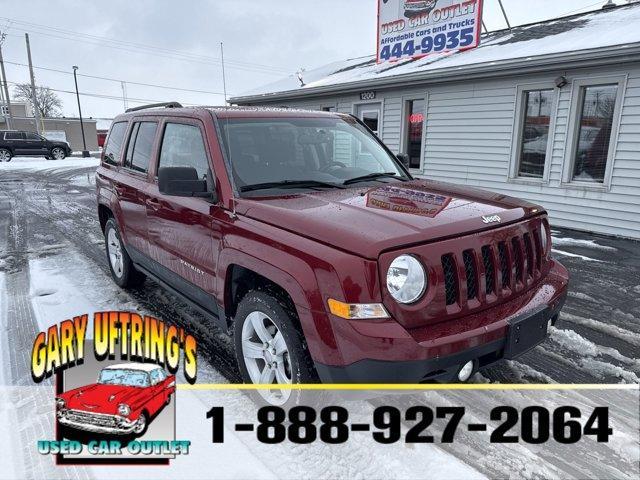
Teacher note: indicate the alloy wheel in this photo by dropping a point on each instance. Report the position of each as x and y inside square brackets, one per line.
[5, 155]
[266, 356]
[57, 153]
[115, 253]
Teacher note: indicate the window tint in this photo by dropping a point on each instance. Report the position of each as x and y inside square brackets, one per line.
[594, 132]
[183, 146]
[140, 146]
[32, 136]
[414, 123]
[534, 133]
[13, 136]
[114, 143]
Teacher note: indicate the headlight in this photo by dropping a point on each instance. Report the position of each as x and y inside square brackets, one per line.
[60, 403]
[124, 410]
[406, 279]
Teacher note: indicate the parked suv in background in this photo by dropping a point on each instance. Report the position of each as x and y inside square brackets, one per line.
[15, 143]
[302, 234]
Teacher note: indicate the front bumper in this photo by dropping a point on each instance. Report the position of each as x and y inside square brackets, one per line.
[96, 422]
[387, 353]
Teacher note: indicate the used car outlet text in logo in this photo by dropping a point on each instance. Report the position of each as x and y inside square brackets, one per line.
[414, 28]
[137, 338]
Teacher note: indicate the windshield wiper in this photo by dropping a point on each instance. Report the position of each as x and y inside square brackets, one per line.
[290, 184]
[374, 176]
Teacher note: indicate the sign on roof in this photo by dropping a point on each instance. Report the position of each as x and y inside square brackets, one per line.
[414, 28]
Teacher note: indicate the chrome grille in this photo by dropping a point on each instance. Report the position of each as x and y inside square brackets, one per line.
[91, 418]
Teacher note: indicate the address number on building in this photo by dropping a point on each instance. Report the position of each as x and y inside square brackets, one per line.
[368, 96]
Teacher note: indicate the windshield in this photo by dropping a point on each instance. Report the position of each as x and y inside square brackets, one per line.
[304, 153]
[131, 378]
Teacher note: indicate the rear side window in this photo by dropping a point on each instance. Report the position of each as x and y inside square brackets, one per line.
[32, 136]
[140, 146]
[183, 146]
[13, 136]
[114, 143]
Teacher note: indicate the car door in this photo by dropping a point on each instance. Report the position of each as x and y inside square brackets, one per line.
[35, 144]
[15, 141]
[130, 186]
[184, 232]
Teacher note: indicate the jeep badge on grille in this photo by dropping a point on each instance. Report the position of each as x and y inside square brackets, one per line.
[491, 218]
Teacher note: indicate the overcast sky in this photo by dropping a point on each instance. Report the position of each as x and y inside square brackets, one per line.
[177, 43]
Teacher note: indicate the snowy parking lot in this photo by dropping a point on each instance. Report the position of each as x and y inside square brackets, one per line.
[53, 267]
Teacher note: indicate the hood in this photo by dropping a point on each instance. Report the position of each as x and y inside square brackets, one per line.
[368, 221]
[100, 398]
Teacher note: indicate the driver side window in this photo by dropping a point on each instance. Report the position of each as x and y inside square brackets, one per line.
[183, 146]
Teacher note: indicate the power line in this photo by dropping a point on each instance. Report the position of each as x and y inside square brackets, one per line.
[49, 69]
[105, 97]
[55, 32]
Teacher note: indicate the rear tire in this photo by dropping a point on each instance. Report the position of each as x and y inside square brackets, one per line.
[123, 271]
[270, 348]
[5, 155]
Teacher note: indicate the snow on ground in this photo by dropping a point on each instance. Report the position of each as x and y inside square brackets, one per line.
[574, 255]
[23, 163]
[573, 242]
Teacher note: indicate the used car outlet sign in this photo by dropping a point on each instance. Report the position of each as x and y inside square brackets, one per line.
[415, 28]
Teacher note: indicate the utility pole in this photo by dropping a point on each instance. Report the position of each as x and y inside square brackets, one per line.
[85, 152]
[224, 78]
[8, 117]
[124, 95]
[34, 97]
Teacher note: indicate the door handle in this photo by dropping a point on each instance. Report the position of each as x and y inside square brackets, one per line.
[153, 203]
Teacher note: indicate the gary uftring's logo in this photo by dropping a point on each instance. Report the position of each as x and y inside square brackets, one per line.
[117, 405]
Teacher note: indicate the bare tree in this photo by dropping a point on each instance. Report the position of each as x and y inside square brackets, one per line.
[47, 101]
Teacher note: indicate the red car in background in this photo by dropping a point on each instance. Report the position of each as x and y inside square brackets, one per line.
[124, 401]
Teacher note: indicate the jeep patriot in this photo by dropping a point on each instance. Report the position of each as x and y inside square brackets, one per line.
[303, 235]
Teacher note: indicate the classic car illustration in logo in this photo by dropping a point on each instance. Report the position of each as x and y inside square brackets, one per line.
[418, 7]
[126, 398]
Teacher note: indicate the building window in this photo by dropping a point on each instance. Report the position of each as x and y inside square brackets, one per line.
[328, 109]
[537, 106]
[371, 119]
[413, 129]
[4, 110]
[597, 109]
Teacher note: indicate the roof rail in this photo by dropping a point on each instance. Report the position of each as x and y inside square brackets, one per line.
[154, 105]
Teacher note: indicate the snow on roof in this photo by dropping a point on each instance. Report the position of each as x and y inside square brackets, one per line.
[144, 367]
[568, 35]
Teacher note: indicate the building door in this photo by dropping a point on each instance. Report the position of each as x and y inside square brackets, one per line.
[371, 115]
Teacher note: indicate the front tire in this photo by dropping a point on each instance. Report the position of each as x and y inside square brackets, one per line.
[58, 153]
[270, 347]
[141, 425]
[122, 269]
[5, 155]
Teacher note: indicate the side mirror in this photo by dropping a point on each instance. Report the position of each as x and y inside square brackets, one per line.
[404, 159]
[182, 182]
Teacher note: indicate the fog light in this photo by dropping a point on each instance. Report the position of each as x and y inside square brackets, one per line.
[466, 371]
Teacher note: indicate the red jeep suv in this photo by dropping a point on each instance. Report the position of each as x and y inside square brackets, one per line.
[302, 234]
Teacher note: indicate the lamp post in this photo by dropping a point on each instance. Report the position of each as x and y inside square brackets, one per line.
[85, 152]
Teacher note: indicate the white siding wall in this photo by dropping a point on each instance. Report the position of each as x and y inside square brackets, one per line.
[468, 140]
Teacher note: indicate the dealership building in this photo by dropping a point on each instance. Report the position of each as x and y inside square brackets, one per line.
[549, 112]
